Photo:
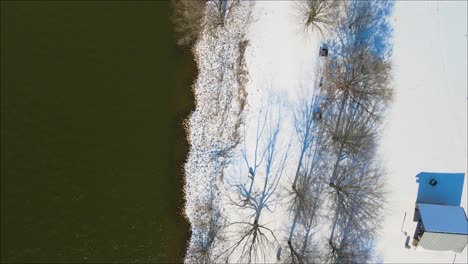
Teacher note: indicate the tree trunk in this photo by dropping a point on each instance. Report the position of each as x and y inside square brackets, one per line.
[343, 103]
[306, 237]
[291, 232]
[337, 163]
[334, 224]
[299, 164]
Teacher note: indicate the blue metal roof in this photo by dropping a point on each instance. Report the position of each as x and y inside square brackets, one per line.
[447, 191]
[443, 218]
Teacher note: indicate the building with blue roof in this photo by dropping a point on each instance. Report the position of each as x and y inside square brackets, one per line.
[442, 223]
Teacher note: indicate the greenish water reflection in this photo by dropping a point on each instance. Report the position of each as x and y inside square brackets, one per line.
[92, 99]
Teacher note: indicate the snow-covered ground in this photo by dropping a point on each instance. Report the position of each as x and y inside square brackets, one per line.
[212, 127]
[280, 53]
[281, 61]
[425, 130]
[427, 127]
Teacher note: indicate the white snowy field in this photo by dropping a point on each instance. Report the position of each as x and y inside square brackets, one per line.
[281, 61]
[280, 52]
[427, 127]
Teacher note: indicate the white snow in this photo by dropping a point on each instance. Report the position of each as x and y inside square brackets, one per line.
[426, 130]
[280, 58]
[212, 126]
[280, 52]
[427, 126]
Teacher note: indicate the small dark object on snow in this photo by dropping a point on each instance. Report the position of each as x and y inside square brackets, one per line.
[323, 50]
[317, 113]
[433, 182]
[278, 254]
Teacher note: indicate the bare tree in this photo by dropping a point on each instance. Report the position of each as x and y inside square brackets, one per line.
[208, 233]
[304, 207]
[217, 13]
[357, 195]
[307, 192]
[192, 17]
[358, 79]
[304, 245]
[318, 14]
[357, 82]
[350, 246]
[358, 68]
[350, 134]
[188, 19]
[361, 77]
[304, 125]
[266, 166]
[367, 23]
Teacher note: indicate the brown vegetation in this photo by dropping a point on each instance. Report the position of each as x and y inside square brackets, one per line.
[187, 18]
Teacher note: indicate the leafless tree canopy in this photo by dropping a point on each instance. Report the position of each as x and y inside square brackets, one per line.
[209, 236]
[187, 18]
[337, 179]
[192, 17]
[318, 14]
[340, 146]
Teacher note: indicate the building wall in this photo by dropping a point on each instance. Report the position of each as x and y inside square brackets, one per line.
[443, 241]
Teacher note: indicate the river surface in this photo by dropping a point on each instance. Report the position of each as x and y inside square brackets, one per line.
[93, 95]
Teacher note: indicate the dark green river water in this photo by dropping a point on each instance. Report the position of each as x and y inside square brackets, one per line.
[92, 99]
